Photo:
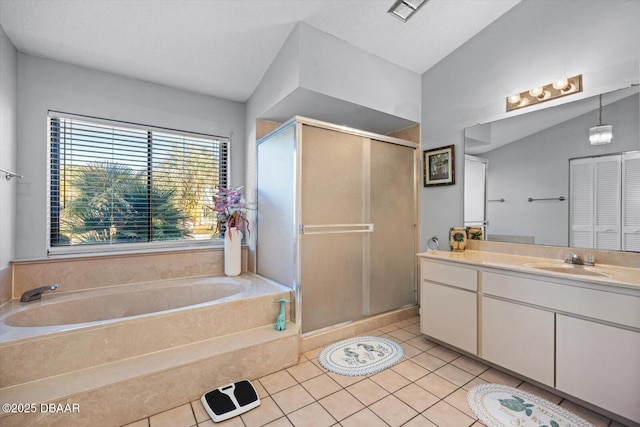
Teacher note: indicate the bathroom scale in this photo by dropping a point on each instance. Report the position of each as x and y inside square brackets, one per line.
[230, 400]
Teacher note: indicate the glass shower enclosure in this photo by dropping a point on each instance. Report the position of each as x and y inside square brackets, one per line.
[337, 220]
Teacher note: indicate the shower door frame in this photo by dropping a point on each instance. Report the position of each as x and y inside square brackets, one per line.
[300, 122]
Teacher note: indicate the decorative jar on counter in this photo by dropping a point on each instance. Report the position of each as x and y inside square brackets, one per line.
[474, 233]
[458, 239]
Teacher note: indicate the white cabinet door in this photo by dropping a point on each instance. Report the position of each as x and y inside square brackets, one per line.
[450, 315]
[631, 202]
[599, 364]
[519, 338]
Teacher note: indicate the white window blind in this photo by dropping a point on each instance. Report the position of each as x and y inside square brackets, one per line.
[118, 183]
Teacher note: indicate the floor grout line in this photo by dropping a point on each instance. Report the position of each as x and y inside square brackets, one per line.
[311, 356]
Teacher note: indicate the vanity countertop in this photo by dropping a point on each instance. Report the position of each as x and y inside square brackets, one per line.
[601, 274]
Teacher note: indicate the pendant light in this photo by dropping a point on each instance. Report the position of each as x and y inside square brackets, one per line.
[601, 134]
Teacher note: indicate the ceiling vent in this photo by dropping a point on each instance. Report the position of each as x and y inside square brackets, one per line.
[405, 9]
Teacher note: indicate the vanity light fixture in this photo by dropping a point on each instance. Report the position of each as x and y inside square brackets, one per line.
[557, 89]
[601, 134]
[405, 9]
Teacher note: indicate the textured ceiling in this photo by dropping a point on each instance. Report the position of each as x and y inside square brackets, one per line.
[223, 47]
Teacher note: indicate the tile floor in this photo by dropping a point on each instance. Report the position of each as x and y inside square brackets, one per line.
[428, 388]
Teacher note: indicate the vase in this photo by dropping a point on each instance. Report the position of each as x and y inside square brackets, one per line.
[458, 239]
[474, 233]
[232, 252]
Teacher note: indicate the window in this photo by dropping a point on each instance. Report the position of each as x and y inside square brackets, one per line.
[114, 183]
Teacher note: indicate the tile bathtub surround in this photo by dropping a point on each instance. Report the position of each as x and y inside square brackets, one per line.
[417, 392]
[145, 388]
[5, 285]
[117, 269]
[48, 355]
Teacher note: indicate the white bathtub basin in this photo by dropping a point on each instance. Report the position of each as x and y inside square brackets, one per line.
[130, 300]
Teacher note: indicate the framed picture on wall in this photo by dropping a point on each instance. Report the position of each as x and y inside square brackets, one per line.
[438, 166]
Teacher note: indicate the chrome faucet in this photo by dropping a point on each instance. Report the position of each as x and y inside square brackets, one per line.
[36, 294]
[574, 259]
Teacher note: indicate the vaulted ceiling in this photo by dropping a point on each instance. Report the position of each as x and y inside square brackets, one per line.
[223, 47]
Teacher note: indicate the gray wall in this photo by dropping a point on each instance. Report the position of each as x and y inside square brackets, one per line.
[538, 166]
[333, 67]
[281, 78]
[8, 144]
[49, 85]
[329, 67]
[526, 47]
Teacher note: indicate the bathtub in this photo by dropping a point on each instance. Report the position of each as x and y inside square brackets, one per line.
[142, 348]
[60, 311]
[126, 321]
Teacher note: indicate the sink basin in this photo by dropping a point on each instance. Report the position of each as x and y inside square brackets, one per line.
[581, 270]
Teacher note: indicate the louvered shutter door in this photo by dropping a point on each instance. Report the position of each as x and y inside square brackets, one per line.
[607, 202]
[581, 203]
[631, 202]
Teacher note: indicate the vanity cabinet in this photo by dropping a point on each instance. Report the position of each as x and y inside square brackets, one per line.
[578, 336]
[599, 364]
[519, 337]
[448, 304]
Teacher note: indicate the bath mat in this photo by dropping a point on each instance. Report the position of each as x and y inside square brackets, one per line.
[499, 405]
[360, 356]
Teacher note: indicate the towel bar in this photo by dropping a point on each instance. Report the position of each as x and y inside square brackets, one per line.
[561, 198]
[8, 175]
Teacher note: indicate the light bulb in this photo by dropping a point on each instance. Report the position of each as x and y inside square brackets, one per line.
[536, 91]
[561, 84]
[514, 99]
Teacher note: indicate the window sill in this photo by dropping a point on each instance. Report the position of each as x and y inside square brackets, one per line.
[128, 252]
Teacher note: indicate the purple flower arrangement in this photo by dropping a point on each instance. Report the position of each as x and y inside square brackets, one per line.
[230, 208]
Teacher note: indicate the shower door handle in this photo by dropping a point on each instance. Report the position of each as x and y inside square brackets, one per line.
[336, 228]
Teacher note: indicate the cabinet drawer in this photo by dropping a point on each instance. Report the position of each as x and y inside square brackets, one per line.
[460, 277]
[607, 306]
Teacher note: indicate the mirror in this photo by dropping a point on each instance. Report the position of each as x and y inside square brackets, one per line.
[527, 157]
